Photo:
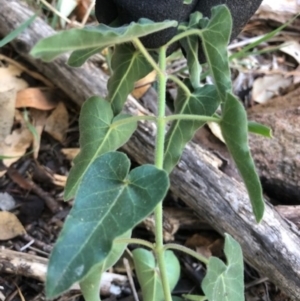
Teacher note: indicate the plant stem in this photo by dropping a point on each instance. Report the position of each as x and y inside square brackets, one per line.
[187, 251]
[146, 54]
[134, 241]
[159, 158]
[192, 117]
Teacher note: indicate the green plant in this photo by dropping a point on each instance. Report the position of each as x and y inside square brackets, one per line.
[110, 199]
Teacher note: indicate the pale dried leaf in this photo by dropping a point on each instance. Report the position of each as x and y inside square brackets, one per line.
[16, 144]
[9, 77]
[58, 122]
[216, 130]
[70, 153]
[10, 226]
[292, 48]
[7, 110]
[264, 88]
[142, 86]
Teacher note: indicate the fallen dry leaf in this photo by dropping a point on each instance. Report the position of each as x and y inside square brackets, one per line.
[16, 144]
[42, 99]
[268, 86]
[142, 86]
[9, 76]
[70, 153]
[38, 120]
[10, 226]
[58, 122]
[7, 110]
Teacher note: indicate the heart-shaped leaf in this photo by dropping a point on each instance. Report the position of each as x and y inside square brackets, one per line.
[128, 65]
[92, 37]
[215, 38]
[234, 128]
[225, 282]
[202, 101]
[90, 285]
[99, 134]
[148, 273]
[109, 202]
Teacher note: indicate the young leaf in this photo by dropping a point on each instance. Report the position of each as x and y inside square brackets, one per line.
[79, 57]
[128, 65]
[215, 38]
[225, 282]
[202, 101]
[234, 128]
[259, 129]
[91, 37]
[98, 135]
[90, 285]
[110, 201]
[148, 274]
[190, 44]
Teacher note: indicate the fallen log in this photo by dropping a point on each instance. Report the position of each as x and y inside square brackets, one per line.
[272, 247]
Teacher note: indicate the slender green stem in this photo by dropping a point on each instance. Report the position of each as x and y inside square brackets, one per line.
[146, 54]
[133, 119]
[185, 34]
[181, 84]
[187, 251]
[192, 117]
[166, 119]
[135, 241]
[159, 156]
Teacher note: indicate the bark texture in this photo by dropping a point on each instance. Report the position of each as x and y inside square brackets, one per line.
[273, 246]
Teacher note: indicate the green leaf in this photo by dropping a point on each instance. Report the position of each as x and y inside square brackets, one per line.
[79, 57]
[225, 282]
[259, 129]
[92, 37]
[190, 45]
[110, 201]
[215, 38]
[99, 134]
[148, 273]
[17, 31]
[128, 65]
[234, 128]
[90, 285]
[202, 101]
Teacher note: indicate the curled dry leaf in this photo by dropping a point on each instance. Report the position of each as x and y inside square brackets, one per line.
[38, 120]
[41, 99]
[142, 86]
[10, 226]
[58, 122]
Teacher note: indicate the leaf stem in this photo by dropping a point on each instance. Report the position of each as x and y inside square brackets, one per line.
[136, 241]
[159, 156]
[181, 84]
[132, 119]
[185, 34]
[146, 54]
[187, 251]
[192, 117]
